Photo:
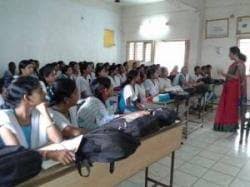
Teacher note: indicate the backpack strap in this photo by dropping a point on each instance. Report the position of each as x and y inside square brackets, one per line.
[112, 167]
[84, 164]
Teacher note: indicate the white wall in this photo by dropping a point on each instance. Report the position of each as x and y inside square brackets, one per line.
[184, 24]
[215, 51]
[50, 30]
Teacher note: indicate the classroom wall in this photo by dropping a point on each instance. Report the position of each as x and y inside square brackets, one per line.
[51, 30]
[185, 21]
[215, 51]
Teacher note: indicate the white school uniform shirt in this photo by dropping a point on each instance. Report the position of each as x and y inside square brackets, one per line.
[83, 85]
[115, 81]
[152, 86]
[123, 77]
[39, 135]
[195, 77]
[61, 121]
[164, 83]
[141, 91]
[1, 100]
[130, 92]
[93, 114]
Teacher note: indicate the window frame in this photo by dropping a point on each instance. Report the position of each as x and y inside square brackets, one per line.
[145, 42]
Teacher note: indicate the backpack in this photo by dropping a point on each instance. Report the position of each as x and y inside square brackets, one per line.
[18, 164]
[105, 145]
[139, 127]
[164, 116]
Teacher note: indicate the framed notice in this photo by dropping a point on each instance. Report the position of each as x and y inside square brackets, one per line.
[217, 28]
[109, 38]
[243, 25]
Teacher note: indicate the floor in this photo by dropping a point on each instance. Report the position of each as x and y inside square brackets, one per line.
[207, 159]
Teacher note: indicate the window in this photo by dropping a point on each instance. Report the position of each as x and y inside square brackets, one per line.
[244, 45]
[140, 51]
[169, 54]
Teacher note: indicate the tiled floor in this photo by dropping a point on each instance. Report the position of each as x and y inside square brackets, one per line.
[207, 159]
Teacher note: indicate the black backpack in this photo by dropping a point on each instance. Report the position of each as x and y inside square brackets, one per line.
[165, 116]
[139, 127]
[105, 145]
[18, 164]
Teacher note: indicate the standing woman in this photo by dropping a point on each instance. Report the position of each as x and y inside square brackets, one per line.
[227, 117]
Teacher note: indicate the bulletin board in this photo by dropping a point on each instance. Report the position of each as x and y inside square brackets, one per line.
[109, 38]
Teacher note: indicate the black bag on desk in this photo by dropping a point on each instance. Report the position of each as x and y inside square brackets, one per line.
[105, 145]
[165, 116]
[18, 164]
[139, 127]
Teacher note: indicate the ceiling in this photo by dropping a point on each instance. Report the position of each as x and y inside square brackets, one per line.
[133, 2]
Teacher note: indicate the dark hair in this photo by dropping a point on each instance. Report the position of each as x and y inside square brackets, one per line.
[72, 64]
[151, 72]
[65, 69]
[112, 69]
[235, 50]
[60, 90]
[12, 67]
[243, 57]
[196, 68]
[45, 71]
[208, 66]
[83, 66]
[23, 64]
[1, 85]
[20, 87]
[98, 69]
[130, 76]
[98, 85]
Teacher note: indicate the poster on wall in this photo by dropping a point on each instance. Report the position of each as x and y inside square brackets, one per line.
[217, 28]
[243, 25]
[109, 38]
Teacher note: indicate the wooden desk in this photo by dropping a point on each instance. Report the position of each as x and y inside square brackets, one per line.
[152, 149]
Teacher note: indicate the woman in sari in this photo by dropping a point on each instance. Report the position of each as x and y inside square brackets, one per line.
[227, 117]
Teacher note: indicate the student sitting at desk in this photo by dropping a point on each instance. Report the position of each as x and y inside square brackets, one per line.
[183, 78]
[114, 77]
[63, 100]
[152, 82]
[27, 121]
[128, 100]
[164, 82]
[93, 113]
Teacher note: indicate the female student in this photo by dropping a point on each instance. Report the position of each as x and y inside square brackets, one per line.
[140, 89]
[28, 122]
[63, 100]
[26, 68]
[227, 117]
[47, 76]
[82, 82]
[122, 73]
[128, 100]
[93, 113]
[9, 74]
[152, 82]
[67, 72]
[164, 82]
[100, 71]
[113, 76]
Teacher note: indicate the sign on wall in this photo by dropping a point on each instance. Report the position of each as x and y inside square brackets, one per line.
[243, 25]
[217, 28]
[109, 38]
